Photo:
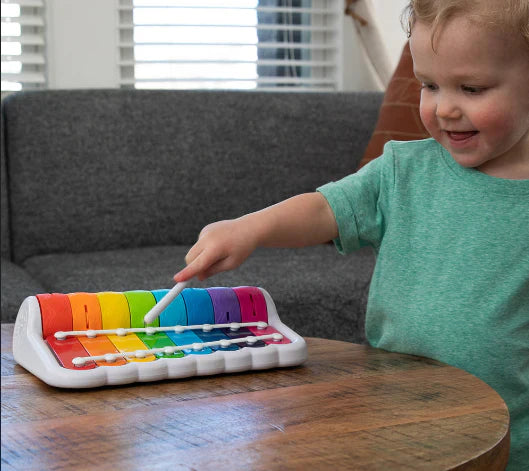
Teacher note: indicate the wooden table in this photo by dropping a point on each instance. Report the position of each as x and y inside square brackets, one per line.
[348, 407]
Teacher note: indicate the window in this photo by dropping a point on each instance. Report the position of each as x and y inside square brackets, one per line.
[23, 59]
[234, 44]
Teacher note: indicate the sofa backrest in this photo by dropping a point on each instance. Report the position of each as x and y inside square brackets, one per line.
[105, 169]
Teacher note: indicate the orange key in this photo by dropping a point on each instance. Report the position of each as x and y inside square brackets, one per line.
[86, 312]
[101, 345]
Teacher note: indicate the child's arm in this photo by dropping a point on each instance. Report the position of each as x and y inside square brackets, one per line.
[300, 221]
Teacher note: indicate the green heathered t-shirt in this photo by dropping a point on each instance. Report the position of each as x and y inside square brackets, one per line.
[451, 280]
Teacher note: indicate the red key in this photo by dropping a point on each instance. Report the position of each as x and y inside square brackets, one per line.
[66, 350]
[56, 313]
[253, 304]
[253, 309]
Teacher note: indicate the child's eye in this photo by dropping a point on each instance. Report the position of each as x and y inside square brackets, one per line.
[472, 90]
[429, 86]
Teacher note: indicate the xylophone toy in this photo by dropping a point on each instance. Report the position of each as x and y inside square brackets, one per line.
[82, 340]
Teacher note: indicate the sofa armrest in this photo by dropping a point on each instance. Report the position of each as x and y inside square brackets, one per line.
[17, 284]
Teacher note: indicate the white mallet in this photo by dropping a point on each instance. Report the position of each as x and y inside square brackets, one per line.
[155, 312]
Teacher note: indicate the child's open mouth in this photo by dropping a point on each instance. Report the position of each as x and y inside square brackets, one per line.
[460, 136]
[461, 139]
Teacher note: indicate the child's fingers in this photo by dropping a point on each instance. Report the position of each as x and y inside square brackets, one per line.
[224, 264]
[183, 275]
[206, 257]
[205, 270]
[194, 252]
[198, 264]
[191, 270]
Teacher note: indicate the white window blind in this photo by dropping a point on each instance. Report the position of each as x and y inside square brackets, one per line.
[232, 44]
[23, 45]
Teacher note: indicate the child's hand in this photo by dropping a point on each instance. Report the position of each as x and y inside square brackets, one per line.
[221, 246]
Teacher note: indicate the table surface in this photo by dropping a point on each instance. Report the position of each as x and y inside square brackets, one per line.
[348, 407]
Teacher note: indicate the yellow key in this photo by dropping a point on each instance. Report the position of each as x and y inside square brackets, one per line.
[115, 314]
[130, 343]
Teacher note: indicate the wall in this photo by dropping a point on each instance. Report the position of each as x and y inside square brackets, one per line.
[389, 14]
[71, 25]
[356, 68]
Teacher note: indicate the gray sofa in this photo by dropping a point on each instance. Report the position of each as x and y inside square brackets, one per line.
[106, 190]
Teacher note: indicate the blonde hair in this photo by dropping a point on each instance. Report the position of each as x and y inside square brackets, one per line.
[507, 15]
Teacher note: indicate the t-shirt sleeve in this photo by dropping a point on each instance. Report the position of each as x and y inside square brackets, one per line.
[360, 203]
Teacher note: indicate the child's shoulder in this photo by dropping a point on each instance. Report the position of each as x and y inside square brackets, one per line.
[411, 158]
[414, 156]
[413, 149]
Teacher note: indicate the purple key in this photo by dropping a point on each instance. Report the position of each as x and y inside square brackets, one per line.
[225, 305]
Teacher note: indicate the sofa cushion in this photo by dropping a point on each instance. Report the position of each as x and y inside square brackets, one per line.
[399, 117]
[317, 291]
[121, 169]
[17, 284]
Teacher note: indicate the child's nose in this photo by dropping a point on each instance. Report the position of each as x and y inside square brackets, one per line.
[447, 107]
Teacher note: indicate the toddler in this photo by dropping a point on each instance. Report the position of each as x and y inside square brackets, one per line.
[448, 217]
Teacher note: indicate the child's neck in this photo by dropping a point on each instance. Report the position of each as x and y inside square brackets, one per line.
[518, 170]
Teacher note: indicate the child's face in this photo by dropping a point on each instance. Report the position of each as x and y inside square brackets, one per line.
[475, 96]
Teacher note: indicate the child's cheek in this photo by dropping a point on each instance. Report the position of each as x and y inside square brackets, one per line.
[493, 118]
[493, 121]
[428, 117]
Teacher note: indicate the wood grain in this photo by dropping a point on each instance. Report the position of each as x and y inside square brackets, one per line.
[348, 407]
